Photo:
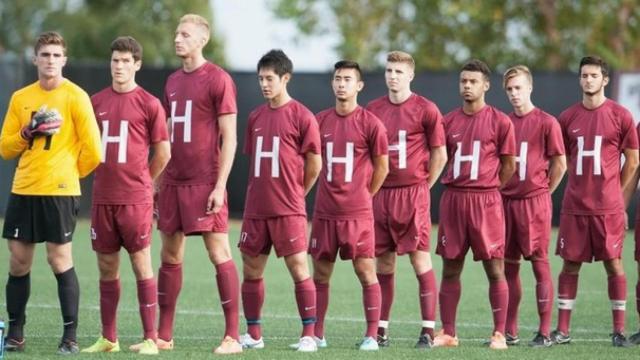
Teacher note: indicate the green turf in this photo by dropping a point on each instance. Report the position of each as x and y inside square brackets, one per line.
[199, 322]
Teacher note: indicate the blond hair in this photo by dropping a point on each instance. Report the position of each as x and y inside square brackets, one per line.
[198, 21]
[401, 57]
[50, 38]
[515, 71]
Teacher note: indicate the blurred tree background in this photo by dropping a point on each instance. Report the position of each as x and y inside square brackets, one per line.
[442, 34]
[88, 26]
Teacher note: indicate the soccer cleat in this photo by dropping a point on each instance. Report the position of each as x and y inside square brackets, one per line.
[307, 344]
[558, 337]
[368, 344]
[320, 343]
[148, 347]
[68, 347]
[11, 344]
[248, 342]
[498, 341]
[103, 345]
[512, 339]
[540, 341]
[383, 340]
[443, 340]
[161, 345]
[619, 340]
[228, 346]
[424, 342]
[635, 338]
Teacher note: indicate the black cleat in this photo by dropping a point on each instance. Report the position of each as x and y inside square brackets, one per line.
[560, 338]
[14, 345]
[619, 340]
[424, 342]
[541, 341]
[383, 340]
[635, 338]
[512, 339]
[68, 347]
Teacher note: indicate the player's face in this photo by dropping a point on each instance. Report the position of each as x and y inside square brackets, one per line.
[123, 67]
[398, 76]
[591, 80]
[50, 60]
[271, 84]
[190, 39]
[472, 85]
[345, 84]
[519, 90]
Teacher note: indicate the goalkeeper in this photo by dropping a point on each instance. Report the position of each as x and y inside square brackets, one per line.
[55, 148]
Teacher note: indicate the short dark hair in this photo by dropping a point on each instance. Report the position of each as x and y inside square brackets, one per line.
[597, 61]
[277, 60]
[49, 38]
[127, 44]
[478, 66]
[348, 64]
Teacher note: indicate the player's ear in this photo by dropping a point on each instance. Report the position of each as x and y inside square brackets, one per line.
[487, 85]
[360, 85]
[605, 81]
[137, 64]
[286, 77]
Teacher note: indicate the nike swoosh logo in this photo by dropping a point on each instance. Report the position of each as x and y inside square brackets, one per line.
[575, 130]
[67, 323]
[455, 135]
[102, 113]
[372, 308]
[68, 233]
[309, 308]
[202, 218]
[144, 236]
[292, 240]
[326, 135]
[173, 93]
[150, 305]
[257, 129]
[225, 302]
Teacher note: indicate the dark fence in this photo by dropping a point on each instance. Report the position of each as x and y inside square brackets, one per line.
[553, 92]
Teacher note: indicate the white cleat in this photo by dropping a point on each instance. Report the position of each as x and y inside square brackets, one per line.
[320, 343]
[248, 342]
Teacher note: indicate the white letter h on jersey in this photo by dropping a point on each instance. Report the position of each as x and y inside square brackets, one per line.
[401, 148]
[347, 160]
[474, 158]
[595, 153]
[186, 119]
[522, 160]
[120, 139]
[273, 154]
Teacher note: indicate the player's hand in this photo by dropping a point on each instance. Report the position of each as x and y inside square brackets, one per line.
[45, 122]
[215, 201]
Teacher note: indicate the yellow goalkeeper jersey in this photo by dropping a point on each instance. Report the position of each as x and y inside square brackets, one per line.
[51, 165]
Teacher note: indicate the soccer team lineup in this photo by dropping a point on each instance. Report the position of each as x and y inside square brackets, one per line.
[167, 161]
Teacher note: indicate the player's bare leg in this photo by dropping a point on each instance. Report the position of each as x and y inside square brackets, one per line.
[253, 298]
[385, 271]
[219, 251]
[617, 285]
[635, 338]
[449, 297]
[17, 291]
[365, 270]
[428, 295]
[169, 285]
[61, 263]
[499, 299]
[567, 291]
[322, 270]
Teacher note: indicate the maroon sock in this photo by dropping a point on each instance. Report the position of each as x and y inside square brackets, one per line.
[544, 294]
[371, 302]
[512, 274]
[499, 299]
[618, 297]
[322, 304]
[306, 300]
[428, 293]
[169, 285]
[387, 287]
[252, 300]
[567, 291]
[147, 303]
[228, 289]
[109, 297]
[450, 291]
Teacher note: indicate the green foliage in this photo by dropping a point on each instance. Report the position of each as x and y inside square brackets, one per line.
[442, 34]
[89, 27]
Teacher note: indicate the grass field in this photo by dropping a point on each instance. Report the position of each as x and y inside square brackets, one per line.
[199, 322]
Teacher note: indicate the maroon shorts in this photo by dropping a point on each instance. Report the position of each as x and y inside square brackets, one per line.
[528, 227]
[471, 219]
[352, 238]
[287, 234]
[584, 238]
[402, 219]
[115, 226]
[183, 208]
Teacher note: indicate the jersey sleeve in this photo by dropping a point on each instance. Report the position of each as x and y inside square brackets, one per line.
[506, 136]
[629, 135]
[310, 134]
[433, 127]
[157, 122]
[11, 142]
[224, 95]
[88, 134]
[553, 138]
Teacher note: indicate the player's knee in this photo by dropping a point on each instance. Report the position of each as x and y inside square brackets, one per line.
[219, 256]
[385, 265]
[59, 262]
[19, 266]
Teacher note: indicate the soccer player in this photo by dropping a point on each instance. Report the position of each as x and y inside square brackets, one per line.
[200, 101]
[354, 166]
[131, 121]
[596, 132]
[401, 207]
[527, 201]
[51, 127]
[283, 142]
[481, 148]
[629, 191]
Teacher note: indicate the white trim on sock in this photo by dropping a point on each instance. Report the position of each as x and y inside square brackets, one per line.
[618, 305]
[383, 324]
[566, 304]
[428, 324]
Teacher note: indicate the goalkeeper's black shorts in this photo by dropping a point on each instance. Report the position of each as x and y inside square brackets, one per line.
[36, 218]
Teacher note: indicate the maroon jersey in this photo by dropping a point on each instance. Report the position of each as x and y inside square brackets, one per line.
[277, 141]
[474, 146]
[413, 128]
[538, 138]
[594, 140]
[194, 101]
[348, 145]
[129, 123]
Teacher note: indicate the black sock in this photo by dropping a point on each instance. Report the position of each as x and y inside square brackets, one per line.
[69, 294]
[17, 295]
